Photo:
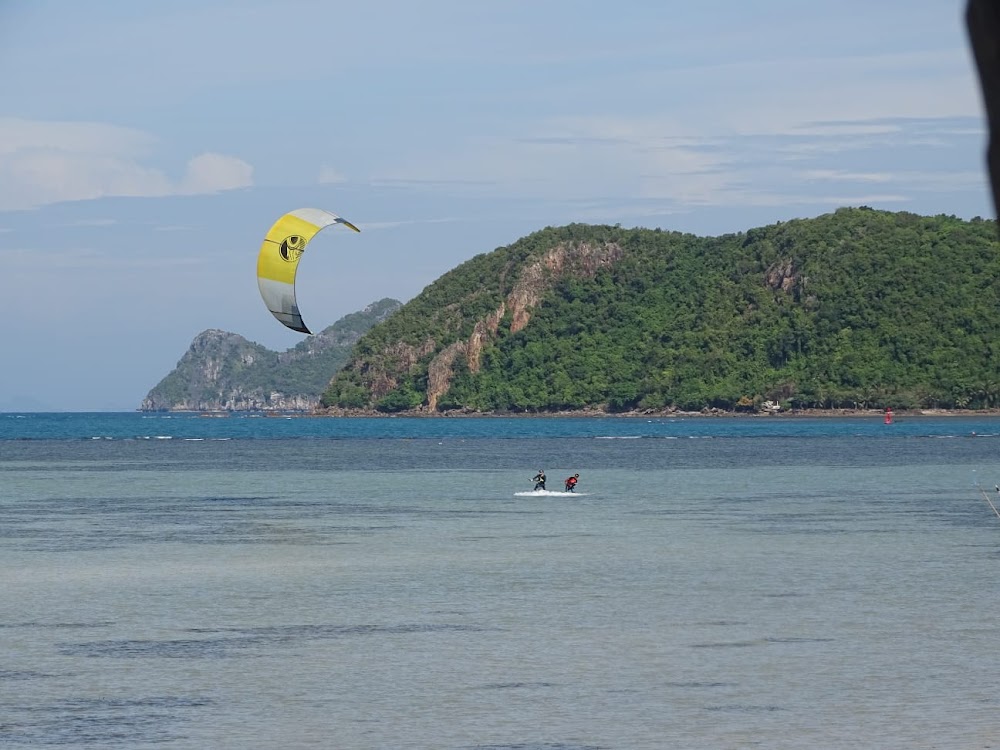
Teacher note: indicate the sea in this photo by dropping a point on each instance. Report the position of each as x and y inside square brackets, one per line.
[177, 581]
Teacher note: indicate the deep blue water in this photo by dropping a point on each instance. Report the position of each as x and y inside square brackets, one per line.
[108, 441]
[134, 425]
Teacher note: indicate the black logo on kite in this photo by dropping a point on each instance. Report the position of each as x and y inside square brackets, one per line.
[292, 247]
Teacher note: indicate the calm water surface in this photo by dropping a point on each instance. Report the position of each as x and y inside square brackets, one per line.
[264, 583]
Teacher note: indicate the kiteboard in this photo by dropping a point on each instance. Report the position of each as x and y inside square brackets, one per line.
[548, 493]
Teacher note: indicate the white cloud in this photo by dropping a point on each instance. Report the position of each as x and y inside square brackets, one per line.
[845, 129]
[94, 138]
[706, 134]
[841, 175]
[34, 177]
[735, 151]
[212, 173]
[851, 199]
[51, 162]
[377, 225]
[85, 259]
[94, 223]
[582, 158]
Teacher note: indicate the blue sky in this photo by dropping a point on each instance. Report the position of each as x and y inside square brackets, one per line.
[145, 148]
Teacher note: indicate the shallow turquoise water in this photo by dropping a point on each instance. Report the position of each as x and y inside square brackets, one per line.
[722, 584]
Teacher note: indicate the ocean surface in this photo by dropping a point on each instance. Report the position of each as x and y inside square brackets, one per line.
[176, 581]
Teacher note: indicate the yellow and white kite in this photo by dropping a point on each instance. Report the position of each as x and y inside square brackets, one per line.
[279, 260]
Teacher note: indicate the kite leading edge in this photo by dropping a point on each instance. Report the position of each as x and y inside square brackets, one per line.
[279, 256]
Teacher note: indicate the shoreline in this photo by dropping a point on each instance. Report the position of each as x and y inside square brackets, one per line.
[598, 413]
[711, 414]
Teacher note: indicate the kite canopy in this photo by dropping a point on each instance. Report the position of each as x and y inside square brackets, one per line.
[279, 260]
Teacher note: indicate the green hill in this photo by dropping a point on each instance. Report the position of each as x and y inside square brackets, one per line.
[858, 308]
[223, 371]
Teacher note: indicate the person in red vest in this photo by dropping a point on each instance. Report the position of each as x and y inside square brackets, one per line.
[571, 483]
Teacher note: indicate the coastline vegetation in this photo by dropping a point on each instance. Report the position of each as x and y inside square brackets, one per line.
[858, 309]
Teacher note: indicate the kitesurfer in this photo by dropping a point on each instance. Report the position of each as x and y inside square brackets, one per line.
[539, 480]
[571, 483]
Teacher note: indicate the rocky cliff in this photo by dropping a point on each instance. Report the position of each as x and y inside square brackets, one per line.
[223, 371]
[849, 309]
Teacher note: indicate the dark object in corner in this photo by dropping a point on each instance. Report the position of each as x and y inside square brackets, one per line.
[982, 17]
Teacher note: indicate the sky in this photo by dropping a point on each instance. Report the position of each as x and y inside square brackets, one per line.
[145, 149]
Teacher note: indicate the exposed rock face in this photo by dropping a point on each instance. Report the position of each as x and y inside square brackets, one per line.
[781, 276]
[204, 377]
[484, 332]
[784, 277]
[581, 260]
[399, 358]
[223, 371]
[853, 307]
[440, 370]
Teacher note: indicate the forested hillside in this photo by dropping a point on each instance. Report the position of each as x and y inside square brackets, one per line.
[858, 308]
[223, 371]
